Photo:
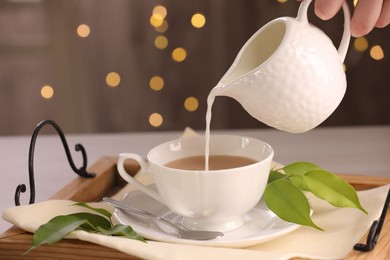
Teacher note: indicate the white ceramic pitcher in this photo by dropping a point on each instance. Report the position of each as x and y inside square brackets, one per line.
[289, 75]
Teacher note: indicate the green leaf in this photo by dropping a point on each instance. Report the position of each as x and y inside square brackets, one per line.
[99, 210]
[55, 230]
[300, 168]
[121, 230]
[92, 219]
[333, 189]
[296, 170]
[58, 227]
[299, 181]
[275, 175]
[288, 202]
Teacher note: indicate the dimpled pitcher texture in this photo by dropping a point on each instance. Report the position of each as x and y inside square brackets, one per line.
[289, 75]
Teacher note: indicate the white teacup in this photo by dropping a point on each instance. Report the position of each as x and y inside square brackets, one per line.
[208, 200]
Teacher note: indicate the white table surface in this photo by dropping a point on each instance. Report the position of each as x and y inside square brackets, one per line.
[351, 150]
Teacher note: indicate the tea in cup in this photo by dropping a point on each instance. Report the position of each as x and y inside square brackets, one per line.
[216, 199]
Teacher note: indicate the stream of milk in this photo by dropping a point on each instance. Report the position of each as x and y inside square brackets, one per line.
[210, 100]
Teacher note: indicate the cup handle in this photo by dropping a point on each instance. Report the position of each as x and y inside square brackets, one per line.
[144, 169]
[343, 47]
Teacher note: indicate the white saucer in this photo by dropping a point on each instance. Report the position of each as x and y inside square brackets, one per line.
[260, 224]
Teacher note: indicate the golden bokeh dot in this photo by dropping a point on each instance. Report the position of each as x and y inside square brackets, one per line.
[161, 42]
[113, 79]
[160, 10]
[83, 30]
[156, 83]
[155, 120]
[156, 20]
[377, 53]
[355, 2]
[360, 44]
[162, 28]
[198, 20]
[179, 54]
[47, 92]
[344, 67]
[191, 104]
[282, 1]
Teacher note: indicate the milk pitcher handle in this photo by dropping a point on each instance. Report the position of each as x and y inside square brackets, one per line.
[343, 48]
[144, 169]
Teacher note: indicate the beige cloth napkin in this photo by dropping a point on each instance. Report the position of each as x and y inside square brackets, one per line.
[344, 227]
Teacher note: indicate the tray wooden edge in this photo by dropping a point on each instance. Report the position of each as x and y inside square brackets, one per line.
[15, 241]
[107, 181]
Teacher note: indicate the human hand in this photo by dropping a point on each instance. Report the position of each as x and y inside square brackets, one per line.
[367, 14]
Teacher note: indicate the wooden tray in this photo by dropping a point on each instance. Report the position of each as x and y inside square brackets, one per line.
[14, 242]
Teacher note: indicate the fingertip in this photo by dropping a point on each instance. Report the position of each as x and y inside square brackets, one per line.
[356, 34]
[322, 10]
[326, 9]
[320, 14]
[360, 29]
[382, 23]
[384, 17]
[365, 17]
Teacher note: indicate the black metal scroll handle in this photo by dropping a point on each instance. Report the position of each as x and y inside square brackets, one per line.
[82, 171]
[375, 230]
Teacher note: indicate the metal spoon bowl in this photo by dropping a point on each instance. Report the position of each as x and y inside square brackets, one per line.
[182, 233]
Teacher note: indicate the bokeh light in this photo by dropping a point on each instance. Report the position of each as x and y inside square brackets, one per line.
[113, 79]
[282, 1]
[161, 42]
[160, 11]
[198, 20]
[83, 30]
[376, 52]
[155, 120]
[156, 20]
[47, 92]
[360, 44]
[156, 83]
[162, 28]
[179, 54]
[191, 104]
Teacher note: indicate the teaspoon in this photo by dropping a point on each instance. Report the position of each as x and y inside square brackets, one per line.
[182, 233]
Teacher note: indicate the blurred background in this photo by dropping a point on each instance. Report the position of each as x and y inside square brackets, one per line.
[147, 65]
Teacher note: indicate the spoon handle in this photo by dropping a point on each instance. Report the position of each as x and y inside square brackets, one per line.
[130, 209]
